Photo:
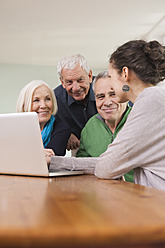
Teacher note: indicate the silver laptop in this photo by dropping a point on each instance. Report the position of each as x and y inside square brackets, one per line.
[21, 147]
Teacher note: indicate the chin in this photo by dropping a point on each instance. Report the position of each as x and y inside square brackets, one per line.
[79, 98]
[44, 120]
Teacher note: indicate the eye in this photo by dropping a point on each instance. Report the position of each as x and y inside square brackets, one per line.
[36, 100]
[80, 80]
[48, 99]
[99, 97]
[112, 94]
[68, 82]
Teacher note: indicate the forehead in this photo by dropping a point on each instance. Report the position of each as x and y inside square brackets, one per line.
[73, 73]
[103, 85]
[42, 90]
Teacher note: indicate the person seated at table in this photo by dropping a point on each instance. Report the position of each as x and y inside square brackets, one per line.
[37, 96]
[135, 69]
[102, 128]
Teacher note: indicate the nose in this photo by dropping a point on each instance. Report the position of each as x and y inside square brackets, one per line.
[107, 102]
[75, 86]
[42, 104]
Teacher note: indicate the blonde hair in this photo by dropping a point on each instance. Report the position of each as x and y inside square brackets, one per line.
[24, 101]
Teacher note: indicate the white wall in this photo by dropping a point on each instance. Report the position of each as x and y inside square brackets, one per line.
[15, 77]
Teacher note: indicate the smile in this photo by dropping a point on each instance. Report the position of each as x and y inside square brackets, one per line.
[77, 92]
[43, 113]
[109, 110]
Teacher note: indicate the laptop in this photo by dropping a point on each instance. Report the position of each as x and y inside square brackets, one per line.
[21, 147]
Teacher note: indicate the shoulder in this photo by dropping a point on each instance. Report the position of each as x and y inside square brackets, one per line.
[151, 97]
[149, 105]
[59, 90]
[92, 123]
[92, 120]
[91, 93]
[61, 95]
[152, 91]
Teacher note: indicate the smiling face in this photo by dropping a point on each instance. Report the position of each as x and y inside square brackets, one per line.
[106, 102]
[42, 104]
[76, 82]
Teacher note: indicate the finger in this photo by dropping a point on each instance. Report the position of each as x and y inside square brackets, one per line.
[52, 153]
[72, 146]
[68, 147]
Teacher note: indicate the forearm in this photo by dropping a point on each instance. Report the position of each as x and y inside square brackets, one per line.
[87, 165]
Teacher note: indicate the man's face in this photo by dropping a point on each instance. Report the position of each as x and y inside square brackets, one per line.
[106, 103]
[76, 82]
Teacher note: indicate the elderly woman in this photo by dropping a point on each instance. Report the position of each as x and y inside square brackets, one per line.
[37, 96]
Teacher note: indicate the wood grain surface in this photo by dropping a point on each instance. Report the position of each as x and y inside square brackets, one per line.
[79, 211]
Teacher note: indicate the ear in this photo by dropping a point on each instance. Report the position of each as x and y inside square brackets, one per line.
[125, 73]
[63, 85]
[90, 76]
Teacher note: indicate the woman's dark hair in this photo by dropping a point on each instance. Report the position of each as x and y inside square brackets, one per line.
[146, 59]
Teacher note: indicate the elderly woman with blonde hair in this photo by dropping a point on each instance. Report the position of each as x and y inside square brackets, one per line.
[38, 97]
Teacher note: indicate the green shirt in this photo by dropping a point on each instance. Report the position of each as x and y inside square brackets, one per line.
[96, 136]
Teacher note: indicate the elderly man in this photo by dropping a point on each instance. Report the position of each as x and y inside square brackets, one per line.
[75, 96]
[103, 127]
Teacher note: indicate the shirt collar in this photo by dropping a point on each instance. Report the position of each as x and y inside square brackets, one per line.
[98, 116]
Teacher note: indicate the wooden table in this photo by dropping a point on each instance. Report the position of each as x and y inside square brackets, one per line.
[79, 211]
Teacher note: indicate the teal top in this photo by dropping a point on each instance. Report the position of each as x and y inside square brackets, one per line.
[96, 136]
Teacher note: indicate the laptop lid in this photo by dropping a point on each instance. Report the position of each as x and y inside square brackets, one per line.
[21, 149]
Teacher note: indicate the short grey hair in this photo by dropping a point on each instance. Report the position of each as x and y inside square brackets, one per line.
[70, 62]
[103, 74]
[24, 102]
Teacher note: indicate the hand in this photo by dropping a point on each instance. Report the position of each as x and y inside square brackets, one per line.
[73, 142]
[48, 154]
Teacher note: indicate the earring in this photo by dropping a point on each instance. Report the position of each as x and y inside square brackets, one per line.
[125, 88]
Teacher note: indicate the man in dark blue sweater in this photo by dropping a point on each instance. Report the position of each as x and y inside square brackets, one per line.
[75, 96]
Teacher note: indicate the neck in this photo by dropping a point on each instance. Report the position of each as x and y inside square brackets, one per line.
[112, 124]
[137, 91]
[136, 87]
[42, 126]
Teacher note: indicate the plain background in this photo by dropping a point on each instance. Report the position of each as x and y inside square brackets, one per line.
[35, 34]
[14, 77]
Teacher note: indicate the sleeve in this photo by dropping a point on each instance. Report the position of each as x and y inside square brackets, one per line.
[59, 137]
[87, 165]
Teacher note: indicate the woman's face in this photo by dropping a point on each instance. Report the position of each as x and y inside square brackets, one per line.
[42, 104]
[117, 81]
